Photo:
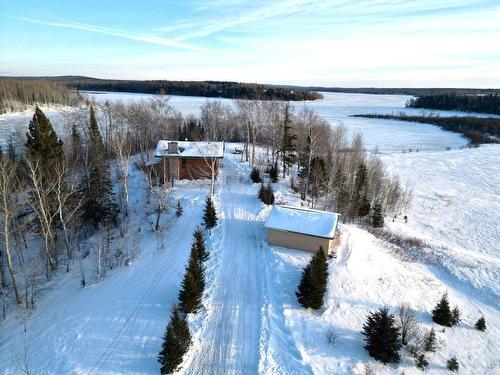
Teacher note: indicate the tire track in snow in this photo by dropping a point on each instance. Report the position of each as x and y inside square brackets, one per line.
[228, 341]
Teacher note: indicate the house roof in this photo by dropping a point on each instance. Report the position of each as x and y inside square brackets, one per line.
[303, 220]
[191, 149]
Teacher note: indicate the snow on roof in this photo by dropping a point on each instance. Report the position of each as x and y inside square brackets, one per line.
[191, 149]
[303, 220]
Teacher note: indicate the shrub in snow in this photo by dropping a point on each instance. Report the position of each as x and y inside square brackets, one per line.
[209, 214]
[377, 219]
[266, 194]
[481, 324]
[452, 364]
[421, 362]
[255, 176]
[178, 210]
[312, 287]
[331, 336]
[382, 336]
[175, 342]
[442, 314]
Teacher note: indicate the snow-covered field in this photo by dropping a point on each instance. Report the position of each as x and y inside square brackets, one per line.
[251, 321]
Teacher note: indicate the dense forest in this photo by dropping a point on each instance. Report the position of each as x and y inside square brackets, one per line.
[19, 94]
[489, 103]
[213, 89]
[477, 129]
[401, 90]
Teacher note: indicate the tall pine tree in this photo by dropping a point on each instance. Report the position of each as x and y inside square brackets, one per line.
[382, 336]
[43, 145]
[98, 204]
[175, 342]
[312, 286]
[193, 283]
[199, 242]
[287, 141]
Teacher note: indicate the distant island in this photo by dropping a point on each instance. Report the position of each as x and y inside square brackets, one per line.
[211, 89]
[484, 103]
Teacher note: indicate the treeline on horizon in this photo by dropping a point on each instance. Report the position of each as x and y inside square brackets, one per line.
[212, 89]
[19, 94]
[401, 90]
[477, 130]
[488, 103]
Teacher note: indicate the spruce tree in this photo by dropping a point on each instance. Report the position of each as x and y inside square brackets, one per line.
[193, 284]
[452, 364]
[255, 175]
[364, 209]
[481, 324]
[287, 140]
[97, 189]
[442, 314]
[199, 243]
[455, 316]
[430, 341]
[421, 362]
[175, 342]
[312, 287]
[43, 145]
[273, 172]
[377, 217]
[382, 336]
[209, 214]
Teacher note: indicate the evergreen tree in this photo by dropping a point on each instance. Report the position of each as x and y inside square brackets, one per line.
[364, 209]
[481, 324]
[359, 195]
[209, 215]
[421, 362]
[442, 314]
[255, 175]
[76, 144]
[377, 217]
[175, 342]
[43, 145]
[199, 243]
[273, 172]
[178, 210]
[382, 336]
[455, 316]
[312, 287]
[452, 364]
[193, 284]
[262, 192]
[287, 141]
[430, 341]
[96, 187]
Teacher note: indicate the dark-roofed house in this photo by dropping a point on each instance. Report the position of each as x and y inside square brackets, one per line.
[301, 228]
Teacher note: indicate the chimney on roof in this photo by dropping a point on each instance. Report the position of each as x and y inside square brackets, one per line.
[173, 148]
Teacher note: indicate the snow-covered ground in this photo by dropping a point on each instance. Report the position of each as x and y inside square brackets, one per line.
[251, 321]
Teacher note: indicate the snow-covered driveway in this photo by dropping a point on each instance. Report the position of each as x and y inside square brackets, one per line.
[228, 339]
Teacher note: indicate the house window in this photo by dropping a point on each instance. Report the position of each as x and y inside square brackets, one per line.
[183, 162]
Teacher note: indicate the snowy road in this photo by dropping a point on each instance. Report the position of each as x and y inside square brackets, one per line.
[228, 341]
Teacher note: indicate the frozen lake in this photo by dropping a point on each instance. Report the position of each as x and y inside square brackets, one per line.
[387, 135]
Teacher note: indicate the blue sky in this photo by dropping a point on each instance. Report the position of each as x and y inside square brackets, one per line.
[333, 43]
